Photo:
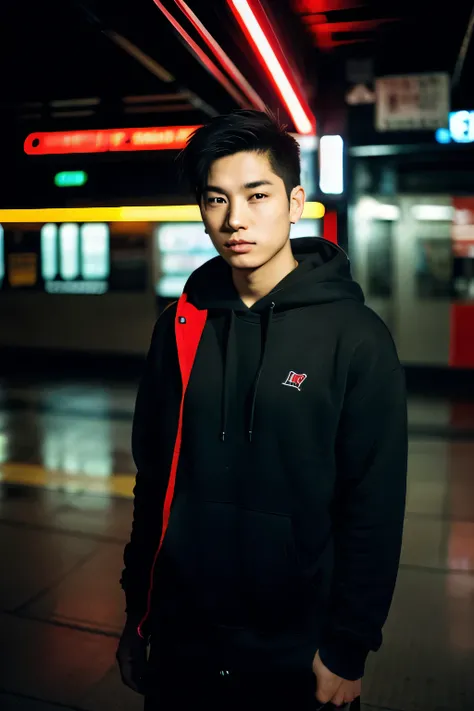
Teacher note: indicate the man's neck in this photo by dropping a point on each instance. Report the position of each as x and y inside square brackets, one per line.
[253, 285]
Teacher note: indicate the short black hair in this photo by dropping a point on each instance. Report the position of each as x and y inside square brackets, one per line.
[243, 130]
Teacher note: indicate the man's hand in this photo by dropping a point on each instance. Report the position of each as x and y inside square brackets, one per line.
[332, 688]
[132, 658]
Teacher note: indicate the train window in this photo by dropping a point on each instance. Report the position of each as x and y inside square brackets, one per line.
[462, 233]
[380, 259]
[170, 287]
[49, 251]
[463, 277]
[74, 259]
[434, 267]
[180, 249]
[183, 237]
[69, 251]
[95, 257]
[2, 257]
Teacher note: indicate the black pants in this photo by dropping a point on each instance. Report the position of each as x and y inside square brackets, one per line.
[175, 689]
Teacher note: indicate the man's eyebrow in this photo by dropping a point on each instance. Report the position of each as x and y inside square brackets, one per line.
[247, 186]
[213, 189]
[256, 184]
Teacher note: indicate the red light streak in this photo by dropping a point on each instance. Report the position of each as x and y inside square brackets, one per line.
[324, 31]
[306, 6]
[257, 29]
[103, 141]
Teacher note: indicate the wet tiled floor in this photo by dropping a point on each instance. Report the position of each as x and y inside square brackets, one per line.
[65, 484]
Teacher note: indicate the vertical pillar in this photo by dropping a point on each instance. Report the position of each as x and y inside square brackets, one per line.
[331, 118]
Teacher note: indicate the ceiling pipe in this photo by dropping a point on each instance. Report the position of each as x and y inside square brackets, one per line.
[223, 57]
[463, 51]
[145, 60]
[203, 58]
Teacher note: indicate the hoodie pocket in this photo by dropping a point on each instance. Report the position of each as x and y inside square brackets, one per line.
[201, 547]
[235, 565]
[268, 548]
[272, 577]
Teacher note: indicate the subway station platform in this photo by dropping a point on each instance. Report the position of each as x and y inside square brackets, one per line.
[66, 478]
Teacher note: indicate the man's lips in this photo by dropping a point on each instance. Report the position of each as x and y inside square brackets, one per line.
[240, 247]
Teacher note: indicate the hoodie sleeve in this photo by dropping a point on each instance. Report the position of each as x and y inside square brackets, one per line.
[371, 455]
[151, 479]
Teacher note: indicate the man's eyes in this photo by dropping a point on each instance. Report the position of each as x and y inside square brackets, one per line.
[221, 200]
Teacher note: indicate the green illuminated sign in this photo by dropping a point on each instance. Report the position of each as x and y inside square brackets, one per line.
[70, 179]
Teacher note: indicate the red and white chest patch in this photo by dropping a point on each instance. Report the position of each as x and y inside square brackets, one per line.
[295, 380]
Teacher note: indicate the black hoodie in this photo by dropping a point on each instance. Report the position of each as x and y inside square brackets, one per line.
[286, 522]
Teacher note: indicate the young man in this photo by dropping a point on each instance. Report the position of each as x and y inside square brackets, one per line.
[270, 442]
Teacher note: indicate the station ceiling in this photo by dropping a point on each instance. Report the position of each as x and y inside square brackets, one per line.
[99, 62]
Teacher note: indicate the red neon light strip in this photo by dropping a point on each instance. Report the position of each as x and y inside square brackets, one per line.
[253, 30]
[203, 58]
[321, 6]
[224, 58]
[115, 139]
[330, 226]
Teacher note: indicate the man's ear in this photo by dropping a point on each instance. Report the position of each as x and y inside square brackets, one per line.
[297, 201]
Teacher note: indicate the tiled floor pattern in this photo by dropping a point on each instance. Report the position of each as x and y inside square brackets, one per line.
[66, 478]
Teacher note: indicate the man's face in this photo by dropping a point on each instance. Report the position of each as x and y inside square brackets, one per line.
[246, 211]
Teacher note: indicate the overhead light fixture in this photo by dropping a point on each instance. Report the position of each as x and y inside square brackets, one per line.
[155, 138]
[137, 213]
[331, 165]
[222, 56]
[299, 112]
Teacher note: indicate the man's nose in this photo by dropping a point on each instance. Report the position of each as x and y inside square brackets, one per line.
[237, 217]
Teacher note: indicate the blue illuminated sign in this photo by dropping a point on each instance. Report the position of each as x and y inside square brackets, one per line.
[460, 130]
[443, 135]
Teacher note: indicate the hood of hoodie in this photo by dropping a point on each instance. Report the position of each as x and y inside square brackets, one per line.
[323, 276]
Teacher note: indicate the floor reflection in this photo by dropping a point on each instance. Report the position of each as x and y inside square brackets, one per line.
[66, 481]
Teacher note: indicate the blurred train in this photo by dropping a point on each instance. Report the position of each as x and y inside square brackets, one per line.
[414, 258]
[89, 279]
[90, 275]
[93, 280]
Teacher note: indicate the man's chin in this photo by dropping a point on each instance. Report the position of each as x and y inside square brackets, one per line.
[244, 262]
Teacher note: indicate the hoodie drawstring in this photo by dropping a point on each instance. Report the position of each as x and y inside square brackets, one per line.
[265, 326]
[225, 384]
[265, 331]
